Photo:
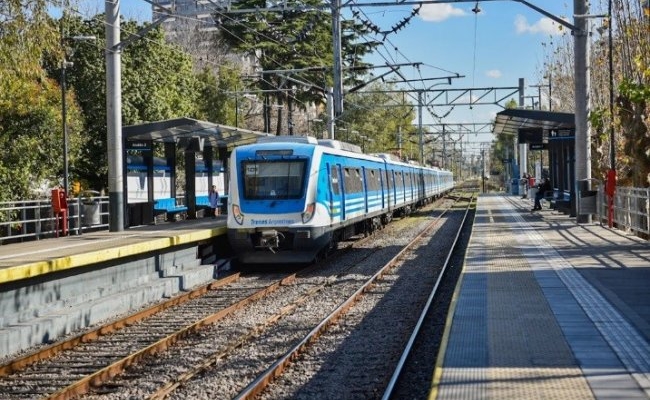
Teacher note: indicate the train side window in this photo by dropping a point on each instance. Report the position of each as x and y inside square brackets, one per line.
[359, 180]
[353, 182]
[372, 179]
[347, 179]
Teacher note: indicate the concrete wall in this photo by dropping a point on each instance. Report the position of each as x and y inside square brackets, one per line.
[40, 310]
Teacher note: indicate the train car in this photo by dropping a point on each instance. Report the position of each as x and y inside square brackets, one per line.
[136, 179]
[291, 199]
[137, 186]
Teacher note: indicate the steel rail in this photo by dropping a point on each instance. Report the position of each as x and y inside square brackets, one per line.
[84, 385]
[23, 362]
[425, 310]
[263, 380]
[205, 364]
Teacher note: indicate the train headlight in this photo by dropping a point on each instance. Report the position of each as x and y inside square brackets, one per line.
[308, 213]
[237, 214]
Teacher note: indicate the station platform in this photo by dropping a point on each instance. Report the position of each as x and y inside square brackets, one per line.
[547, 309]
[35, 258]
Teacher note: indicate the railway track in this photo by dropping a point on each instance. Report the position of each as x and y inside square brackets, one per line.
[243, 320]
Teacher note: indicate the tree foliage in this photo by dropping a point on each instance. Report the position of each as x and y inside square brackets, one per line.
[217, 97]
[30, 101]
[627, 122]
[364, 110]
[502, 148]
[158, 83]
[298, 42]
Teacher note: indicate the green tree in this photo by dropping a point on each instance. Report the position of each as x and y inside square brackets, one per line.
[291, 40]
[364, 109]
[158, 83]
[503, 148]
[631, 77]
[217, 97]
[30, 101]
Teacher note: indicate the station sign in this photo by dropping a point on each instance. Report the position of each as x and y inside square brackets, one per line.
[142, 145]
[537, 146]
[530, 135]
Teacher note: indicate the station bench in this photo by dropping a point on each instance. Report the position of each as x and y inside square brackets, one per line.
[202, 201]
[167, 209]
[561, 200]
[202, 206]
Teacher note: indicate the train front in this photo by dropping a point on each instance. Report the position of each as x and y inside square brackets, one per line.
[272, 204]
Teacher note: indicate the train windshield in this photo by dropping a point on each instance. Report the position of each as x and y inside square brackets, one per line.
[272, 180]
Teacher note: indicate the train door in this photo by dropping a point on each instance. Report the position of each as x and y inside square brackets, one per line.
[364, 185]
[337, 203]
[383, 188]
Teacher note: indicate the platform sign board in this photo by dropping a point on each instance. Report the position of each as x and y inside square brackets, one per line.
[537, 146]
[530, 135]
[142, 145]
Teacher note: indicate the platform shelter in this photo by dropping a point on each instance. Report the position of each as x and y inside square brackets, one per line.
[552, 133]
[150, 176]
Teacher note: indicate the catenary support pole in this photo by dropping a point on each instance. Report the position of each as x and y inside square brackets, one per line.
[582, 104]
[114, 117]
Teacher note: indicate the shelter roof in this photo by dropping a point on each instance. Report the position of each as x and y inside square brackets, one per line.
[509, 121]
[173, 130]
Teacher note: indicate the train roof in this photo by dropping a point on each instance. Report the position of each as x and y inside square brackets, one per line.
[288, 139]
[336, 145]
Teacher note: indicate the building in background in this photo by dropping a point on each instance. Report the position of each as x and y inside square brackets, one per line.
[195, 28]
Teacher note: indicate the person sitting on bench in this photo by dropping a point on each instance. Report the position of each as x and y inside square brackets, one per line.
[542, 188]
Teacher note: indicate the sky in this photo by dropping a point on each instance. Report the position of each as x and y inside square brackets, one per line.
[492, 48]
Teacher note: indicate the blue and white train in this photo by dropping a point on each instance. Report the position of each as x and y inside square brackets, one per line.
[137, 186]
[291, 199]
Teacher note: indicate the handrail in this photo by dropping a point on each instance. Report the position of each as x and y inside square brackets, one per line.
[34, 219]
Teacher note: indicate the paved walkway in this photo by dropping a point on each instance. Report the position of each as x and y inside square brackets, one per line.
[547, 309]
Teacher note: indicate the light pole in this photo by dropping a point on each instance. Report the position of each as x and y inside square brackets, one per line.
[64, 120]
[64, 65]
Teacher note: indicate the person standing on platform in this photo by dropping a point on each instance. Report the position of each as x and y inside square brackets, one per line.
[543, 187]
[524, 185]
[213, 199]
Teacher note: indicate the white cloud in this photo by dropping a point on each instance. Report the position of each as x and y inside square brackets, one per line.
[439, 12]
[493, 73]
[545, 26]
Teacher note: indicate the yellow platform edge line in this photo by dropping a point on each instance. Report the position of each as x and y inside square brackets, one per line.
[31, 270]
[437, 372]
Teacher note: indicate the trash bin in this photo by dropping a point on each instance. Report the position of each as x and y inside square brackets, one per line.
[223, 207]
[588, 202]
[91, 212]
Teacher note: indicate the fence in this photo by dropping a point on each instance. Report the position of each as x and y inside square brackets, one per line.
[34, 219]
[631, 209]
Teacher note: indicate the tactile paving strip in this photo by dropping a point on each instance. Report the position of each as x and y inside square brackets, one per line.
[613, 356]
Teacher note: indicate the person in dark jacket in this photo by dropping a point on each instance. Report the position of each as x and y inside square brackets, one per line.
[542, 188]
[213, 198]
